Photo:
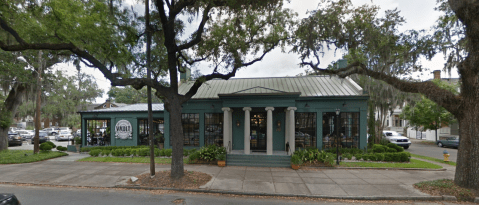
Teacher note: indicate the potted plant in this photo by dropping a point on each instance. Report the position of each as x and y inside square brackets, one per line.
[160, 139]
[221, 160]
[296, 162]
[77, 143]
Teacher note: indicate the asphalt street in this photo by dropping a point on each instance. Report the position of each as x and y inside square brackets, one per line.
[431, 150]
[40, 195]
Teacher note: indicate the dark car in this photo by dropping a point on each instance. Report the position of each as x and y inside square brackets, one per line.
[43, 137]
[9, 199]
[448, 142]
[14, 139]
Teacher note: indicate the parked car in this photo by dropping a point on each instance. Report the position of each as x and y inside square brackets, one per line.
[78, 133]
[396, 138]
[51, 131]
[9, 199]
[14, 139]
[451, 141]
[43, 137]
[64, 129]
[25, 134]
[64, 135]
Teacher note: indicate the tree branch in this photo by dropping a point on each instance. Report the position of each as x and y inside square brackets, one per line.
[442, 97]
[199, 31]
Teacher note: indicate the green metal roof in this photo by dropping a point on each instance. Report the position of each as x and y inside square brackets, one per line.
[305, 86]
[140, 107]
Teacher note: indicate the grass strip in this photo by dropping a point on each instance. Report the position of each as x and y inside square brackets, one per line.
[433, 159]
[446, 187]
[26, 156]
[413, 164]
[158, 160]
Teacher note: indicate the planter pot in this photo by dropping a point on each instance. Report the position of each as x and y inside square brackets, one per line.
[294, 166]
[221, 163]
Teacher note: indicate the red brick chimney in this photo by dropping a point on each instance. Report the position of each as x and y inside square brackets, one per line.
[437, 74]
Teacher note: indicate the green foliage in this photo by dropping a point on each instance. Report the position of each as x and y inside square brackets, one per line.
[105, 152]
[313, 154]
[348, 156]
[379, 156]
[61, 148]
[211, 152]
[78, 141]
[193, 156]
[95, 153]
[45, 147]
[5, 118]
[168, 152]
[378, 149]
[221, 157]
[390, 150]
[426, 113]
[130, 95]
[296, 159]
[51, 144]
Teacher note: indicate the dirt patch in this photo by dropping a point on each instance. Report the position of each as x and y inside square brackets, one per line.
[202, 161]
[447, 187]
[191, 180]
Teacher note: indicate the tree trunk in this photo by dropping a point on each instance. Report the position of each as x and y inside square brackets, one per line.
[176, 137]
[8, 110]
[467, 169]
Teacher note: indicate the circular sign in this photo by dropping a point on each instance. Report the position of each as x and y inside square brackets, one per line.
[123, 129]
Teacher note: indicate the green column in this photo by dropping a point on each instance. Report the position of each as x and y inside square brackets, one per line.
[363, 120]
[319, 129]
[202, 129]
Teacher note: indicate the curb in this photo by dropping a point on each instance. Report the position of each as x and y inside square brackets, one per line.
[371, 198]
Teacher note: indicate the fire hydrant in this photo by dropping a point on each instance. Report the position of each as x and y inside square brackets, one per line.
[446, 155]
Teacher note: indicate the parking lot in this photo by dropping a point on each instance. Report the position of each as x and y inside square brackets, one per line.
[27, 145]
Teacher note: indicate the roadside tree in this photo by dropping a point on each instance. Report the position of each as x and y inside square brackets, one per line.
[361, 32]
[230, 35]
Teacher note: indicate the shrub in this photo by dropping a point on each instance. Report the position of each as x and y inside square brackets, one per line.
[77, 140]
[378, 149]
[358, 156]
[391, 150]
[379, 156]
[403, 156]
[143, 152]
[168, 152]
[185, 152]
[162, 152]
[61, 148]
[348, 156]
[85, 149]
[157, 152]
[105, 152]
[384, 141]
[399, 149]
[95, 153]
[221, 157]
[45, 147]
[388, 157]
[127, 152]
[210, 152]
[51, 144]
[193, 156]
[296, 160]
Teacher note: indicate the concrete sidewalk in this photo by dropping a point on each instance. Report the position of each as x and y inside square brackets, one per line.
[310, 182]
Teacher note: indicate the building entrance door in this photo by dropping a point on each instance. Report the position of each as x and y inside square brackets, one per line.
[258, 132]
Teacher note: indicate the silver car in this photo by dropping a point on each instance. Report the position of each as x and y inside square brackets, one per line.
[63, 135]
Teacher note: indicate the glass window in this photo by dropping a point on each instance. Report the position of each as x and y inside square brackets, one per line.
[214, 129]
[349, 129]
[97, 135]
[191, 129]
[305, 132]
[143, 131]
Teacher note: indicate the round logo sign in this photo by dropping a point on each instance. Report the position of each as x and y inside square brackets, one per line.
[123, 129]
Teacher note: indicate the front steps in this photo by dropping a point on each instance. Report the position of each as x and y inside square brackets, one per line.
[258, 160]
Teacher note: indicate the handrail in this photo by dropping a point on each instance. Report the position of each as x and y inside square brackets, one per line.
[229, 148]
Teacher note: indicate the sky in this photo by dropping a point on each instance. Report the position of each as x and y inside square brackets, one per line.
[418, 14]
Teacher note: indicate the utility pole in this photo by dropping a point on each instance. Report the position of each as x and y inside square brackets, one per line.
[36, 146]
[148, 74]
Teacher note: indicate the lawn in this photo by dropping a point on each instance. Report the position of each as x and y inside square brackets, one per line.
[413, 164]
[433, 159]
[26, 156]
[158, 160]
